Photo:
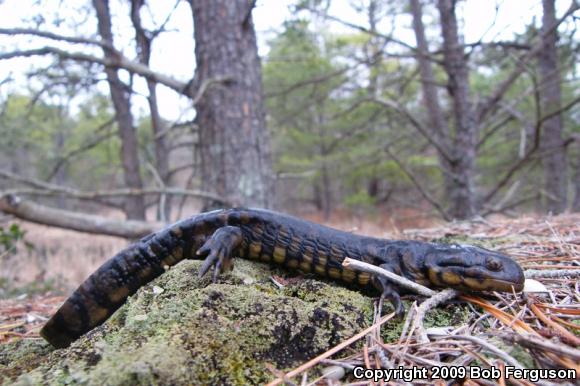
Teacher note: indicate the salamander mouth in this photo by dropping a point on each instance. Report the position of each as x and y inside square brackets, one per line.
[506, 285]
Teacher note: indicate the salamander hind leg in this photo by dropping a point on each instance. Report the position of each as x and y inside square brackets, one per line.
[218, 250]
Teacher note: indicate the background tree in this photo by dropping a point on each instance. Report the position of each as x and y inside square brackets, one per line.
[134, 206]
[234, 144]
[554, 154]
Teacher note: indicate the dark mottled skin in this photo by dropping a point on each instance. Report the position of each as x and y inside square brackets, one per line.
[280, 239]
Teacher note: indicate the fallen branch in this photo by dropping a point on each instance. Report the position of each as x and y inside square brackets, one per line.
[399, 280]
[73, 193]
[81, 222]
[48, 189]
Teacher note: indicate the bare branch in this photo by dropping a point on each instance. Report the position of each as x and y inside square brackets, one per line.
[48, 189]
[307, 82]
[54, 36]
[362, 29]
[415, 182]
[503, 87]
[81, 222]
[120, 62]
[126, 192]
[84, 147]
[522, 161]
[422, 130]
[124, 63]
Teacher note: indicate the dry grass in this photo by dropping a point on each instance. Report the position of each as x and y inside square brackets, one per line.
[58, 255]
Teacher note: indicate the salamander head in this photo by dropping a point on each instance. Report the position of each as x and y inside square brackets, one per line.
[470, 268]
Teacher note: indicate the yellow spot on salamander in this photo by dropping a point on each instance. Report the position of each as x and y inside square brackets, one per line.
[279, 255]
[244, 217]
[144, 274]
[306, 265]
[475, 284]
[320, 269]
[97, 314]
[254, 250]
[433, 278]
[334, 273]
[118, 295]
[363, 278]
[292, 263]
[348, 275]
[450, 278]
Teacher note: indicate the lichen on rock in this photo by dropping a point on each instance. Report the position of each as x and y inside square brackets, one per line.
[182, 330]
[196, 332]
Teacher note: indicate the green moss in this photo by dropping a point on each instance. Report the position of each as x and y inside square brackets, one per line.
[443, 316]
[182, 330]
[516, 351]
[20, 356]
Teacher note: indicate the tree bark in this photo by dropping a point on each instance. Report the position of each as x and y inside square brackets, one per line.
[576, 203]
[431, 96]
[234, 145]
[462, 194]
[144, 41]
[554, 160]
[134, 206]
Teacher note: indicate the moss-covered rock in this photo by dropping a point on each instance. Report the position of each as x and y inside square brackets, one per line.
[183, 330]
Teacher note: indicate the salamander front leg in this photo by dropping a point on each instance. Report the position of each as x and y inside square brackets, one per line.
[389, 291]
[218, 250]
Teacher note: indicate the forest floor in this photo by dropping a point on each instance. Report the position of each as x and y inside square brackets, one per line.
[530, 330]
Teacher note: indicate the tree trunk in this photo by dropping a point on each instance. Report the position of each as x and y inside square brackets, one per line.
[160, 147]
[134, 206]
[374, 59]
[464, 144]
[235, 152]
[431, 96]
[554, 160]
[576, 203]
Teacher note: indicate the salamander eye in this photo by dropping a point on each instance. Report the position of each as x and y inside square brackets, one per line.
[493, 265]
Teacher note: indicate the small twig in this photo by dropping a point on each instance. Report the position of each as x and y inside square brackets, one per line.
[427, 305]
[535, 342]
[399, 280]
[500, 353]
